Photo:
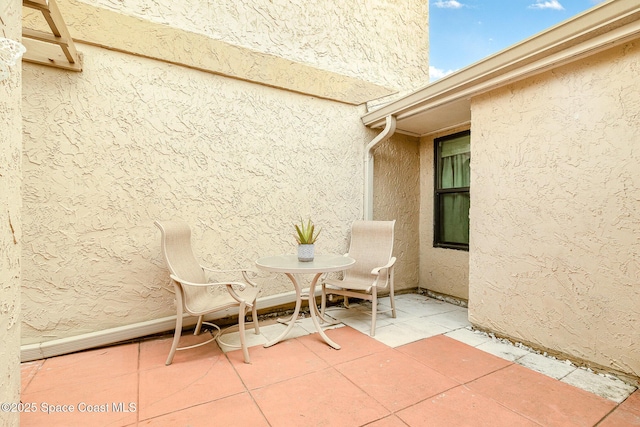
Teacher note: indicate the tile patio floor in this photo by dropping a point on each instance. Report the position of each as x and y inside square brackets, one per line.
[425, 368]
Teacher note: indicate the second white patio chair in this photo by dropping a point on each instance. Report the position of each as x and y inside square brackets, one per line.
[195, 295]
[372, 248]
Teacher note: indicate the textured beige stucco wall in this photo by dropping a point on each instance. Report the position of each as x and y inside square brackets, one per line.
[382, 41]
[397, 196]
[442, 270]
[114, 30]
[10, 221]
[555, 218]
[130, 140]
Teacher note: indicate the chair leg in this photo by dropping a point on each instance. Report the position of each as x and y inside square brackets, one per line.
[393, 302]
[346, 301]
[176, 338]
[254, 314]
[196, 331]
[243, 342]
[391, 282]
[323, 300]
[374, 309]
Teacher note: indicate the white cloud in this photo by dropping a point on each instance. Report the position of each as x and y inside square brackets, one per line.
[437, 73]
[546, 4]
[448, 4]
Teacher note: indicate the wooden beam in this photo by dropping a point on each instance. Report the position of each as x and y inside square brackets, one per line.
[48, 54]
[69, 50]
[45, 48]
[36, 4]
[43, 37]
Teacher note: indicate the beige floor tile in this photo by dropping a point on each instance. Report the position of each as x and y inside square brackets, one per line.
[605, 386]
[545, 365]
[230, 341]
[454, 319]
[469, 337]
[504, 350]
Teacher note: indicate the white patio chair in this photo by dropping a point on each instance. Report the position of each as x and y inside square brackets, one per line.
[195, 295]
[372, 248]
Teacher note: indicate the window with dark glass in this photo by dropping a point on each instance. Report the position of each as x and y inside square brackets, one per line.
[453, 157]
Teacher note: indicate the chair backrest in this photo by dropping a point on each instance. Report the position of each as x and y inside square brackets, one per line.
[178, 253]
[371, 246]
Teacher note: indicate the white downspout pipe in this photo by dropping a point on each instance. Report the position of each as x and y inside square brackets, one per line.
[389, 129]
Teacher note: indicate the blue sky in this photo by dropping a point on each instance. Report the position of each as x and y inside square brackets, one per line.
[465, 31]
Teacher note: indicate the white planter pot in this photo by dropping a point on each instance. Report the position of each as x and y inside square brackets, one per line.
[306, 253]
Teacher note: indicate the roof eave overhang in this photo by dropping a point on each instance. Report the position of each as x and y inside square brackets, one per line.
[602, 27]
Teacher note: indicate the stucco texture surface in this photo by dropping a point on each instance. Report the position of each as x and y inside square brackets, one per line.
[130, 140]
[397, 196]
[555, 224]
[167, 42]
[442, 270]
[382, 41]
[10, 222]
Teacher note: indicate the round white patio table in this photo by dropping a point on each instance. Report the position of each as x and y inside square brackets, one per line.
[289, 265]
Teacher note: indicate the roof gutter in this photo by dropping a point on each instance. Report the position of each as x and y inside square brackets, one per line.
[610, 24]
[387, 132]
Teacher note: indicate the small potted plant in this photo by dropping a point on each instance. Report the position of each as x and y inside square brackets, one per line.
[306, 237]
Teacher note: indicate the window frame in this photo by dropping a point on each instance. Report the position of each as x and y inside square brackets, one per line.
[438, 192]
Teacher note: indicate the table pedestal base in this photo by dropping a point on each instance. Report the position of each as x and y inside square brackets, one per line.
[313, 310]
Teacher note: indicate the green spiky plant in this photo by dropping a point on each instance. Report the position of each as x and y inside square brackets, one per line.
[305, 233]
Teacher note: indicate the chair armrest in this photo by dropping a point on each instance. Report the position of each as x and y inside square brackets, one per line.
[218, 284]
[245, 273]
[239, 298]
[390, 264]
[215, 270]
[245, 276]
